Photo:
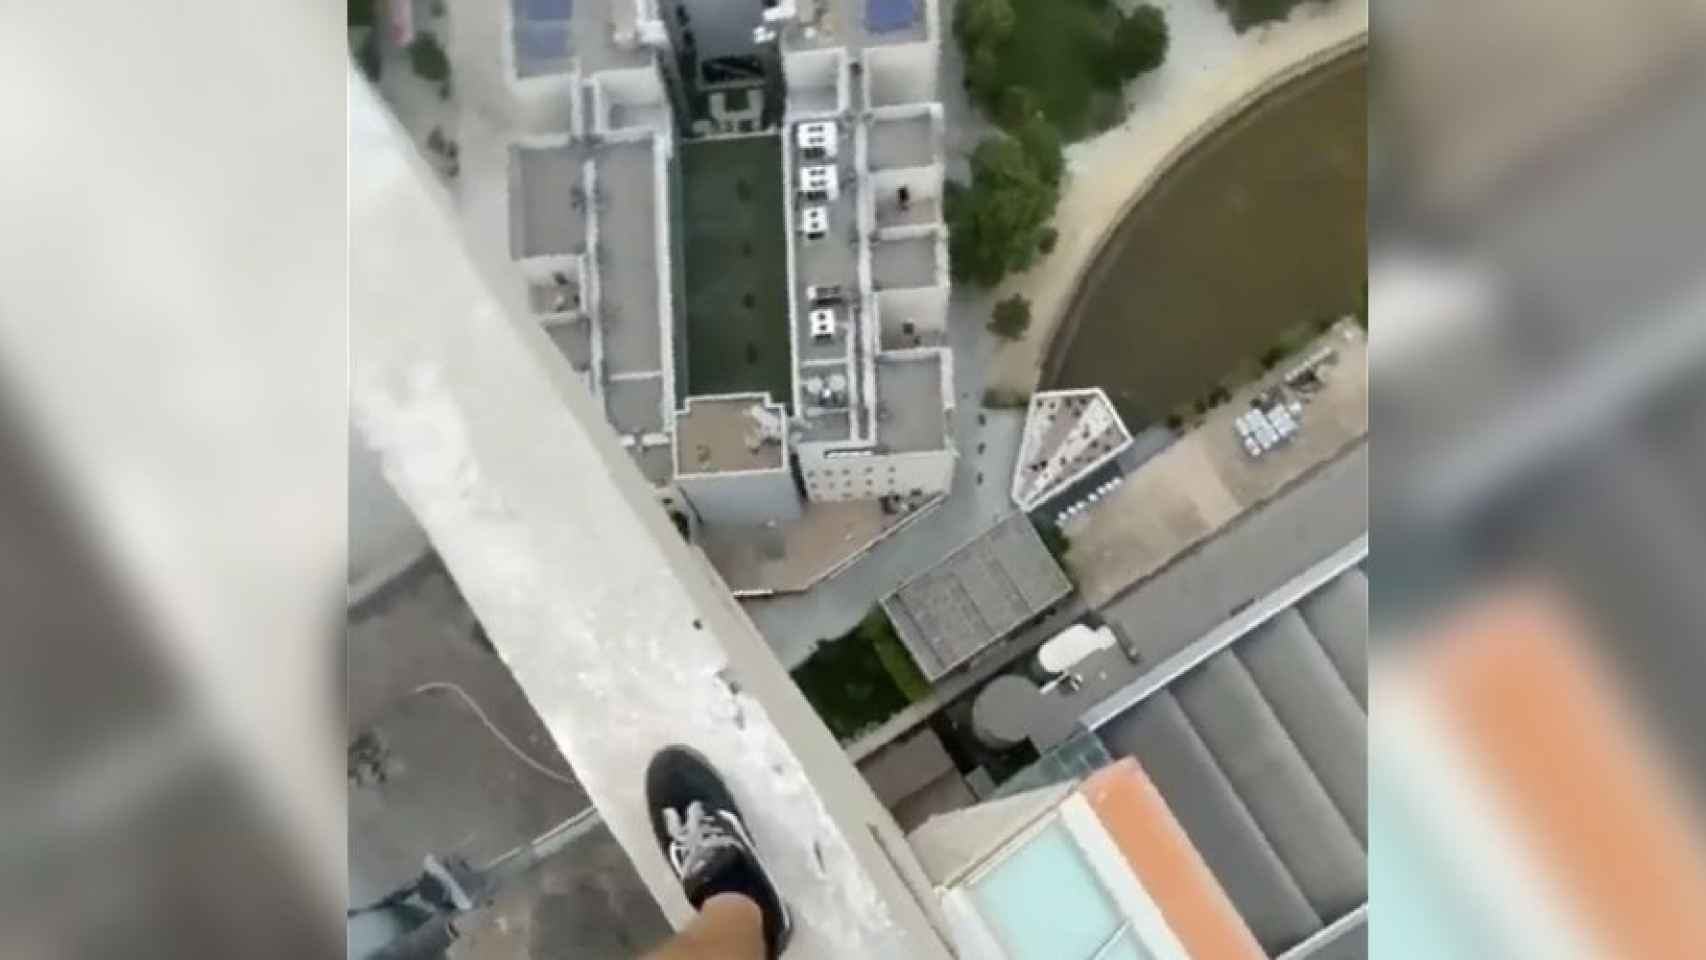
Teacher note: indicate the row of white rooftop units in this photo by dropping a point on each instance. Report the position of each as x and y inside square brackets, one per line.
[1262, 430]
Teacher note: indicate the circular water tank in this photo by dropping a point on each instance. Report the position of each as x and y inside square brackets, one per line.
[814, 385]
[1006, 711]
[837, 382]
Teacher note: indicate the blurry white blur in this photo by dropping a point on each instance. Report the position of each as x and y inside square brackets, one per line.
[1538, 281]
[172, 461]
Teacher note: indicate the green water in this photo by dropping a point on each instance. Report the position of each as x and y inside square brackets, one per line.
[1259, 229]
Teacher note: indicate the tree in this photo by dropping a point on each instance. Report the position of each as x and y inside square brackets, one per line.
[1245, 14]
[1139, 42]
[1042, 145]
[996, 223]
[1046, 241]
[1011, 318]
[983, 24]
[428, 59]
[1017, 106]
[982, 27]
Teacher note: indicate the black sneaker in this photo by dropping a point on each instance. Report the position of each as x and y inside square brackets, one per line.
[705, 840]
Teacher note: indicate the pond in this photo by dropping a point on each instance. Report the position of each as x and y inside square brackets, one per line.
[1258, 232]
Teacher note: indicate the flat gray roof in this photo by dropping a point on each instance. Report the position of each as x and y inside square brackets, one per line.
[830, 261]
[905, 767]
[901, 264]
[825, 427]
[548, 214]
[635, 406]
[910, 416]
[976, 596]
[909, 142]
[574, 341]
[653, 463]
[627, 259]
[719, 436]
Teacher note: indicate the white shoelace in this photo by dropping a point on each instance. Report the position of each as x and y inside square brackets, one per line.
[693, 838]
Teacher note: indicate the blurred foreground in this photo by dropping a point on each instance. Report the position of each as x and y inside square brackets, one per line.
[1538, 291]
[173, 459]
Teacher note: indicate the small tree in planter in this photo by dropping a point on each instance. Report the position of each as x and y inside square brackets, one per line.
[1011, 318]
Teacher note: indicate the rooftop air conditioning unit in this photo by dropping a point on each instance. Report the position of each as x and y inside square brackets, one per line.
[814, 222]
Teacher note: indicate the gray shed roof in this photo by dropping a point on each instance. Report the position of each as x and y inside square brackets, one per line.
[976, 596]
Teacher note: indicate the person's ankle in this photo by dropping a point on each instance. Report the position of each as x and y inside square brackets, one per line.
[733, 901]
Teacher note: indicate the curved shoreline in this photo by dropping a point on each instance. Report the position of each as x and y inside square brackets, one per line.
[1092, 271]
[1057, 285]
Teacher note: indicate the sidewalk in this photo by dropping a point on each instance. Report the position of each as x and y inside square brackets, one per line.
[1210, 75]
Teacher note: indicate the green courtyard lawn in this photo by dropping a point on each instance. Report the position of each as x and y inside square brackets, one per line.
[736, 270]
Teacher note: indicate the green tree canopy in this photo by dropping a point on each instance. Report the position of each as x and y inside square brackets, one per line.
[1041, 142]
[983, 23]
[1139, 42]
[995, 225]
[1011, 317]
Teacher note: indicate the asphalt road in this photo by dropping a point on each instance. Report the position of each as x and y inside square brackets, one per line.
[1248, 558]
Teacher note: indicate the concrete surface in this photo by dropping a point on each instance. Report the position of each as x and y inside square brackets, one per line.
[451, 787]
[1246, 559]
[909, 405]
[903, 264]
[904, 143]
[792, 555]
[635, 405]
[627, 259]
[481, 442]
[1181, 496]
[552, 220]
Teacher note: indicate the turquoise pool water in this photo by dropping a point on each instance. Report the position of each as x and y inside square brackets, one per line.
[1044, 903]
[1421, 913]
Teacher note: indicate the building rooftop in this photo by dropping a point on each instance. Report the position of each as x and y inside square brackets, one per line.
[1256, 734]
[627, 259]
[904, 263]
[975, 596]
[859, 23]
[728, 434]
[911, 411]
[832, 260]
[543, 36]
[548, 201]
[635, 405]
[902, 142]
[1068, 433]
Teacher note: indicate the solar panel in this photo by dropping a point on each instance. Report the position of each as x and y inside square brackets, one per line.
[546, 9]
[882, 16]
[541, 42]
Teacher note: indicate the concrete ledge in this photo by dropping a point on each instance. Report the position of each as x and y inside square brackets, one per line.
[477, 426]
